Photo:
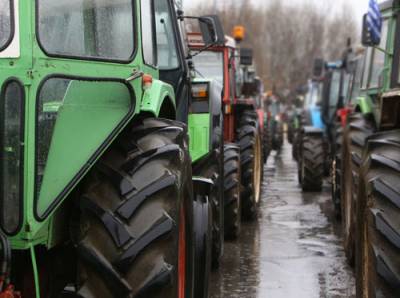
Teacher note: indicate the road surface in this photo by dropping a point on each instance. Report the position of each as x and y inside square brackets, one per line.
[293, 250]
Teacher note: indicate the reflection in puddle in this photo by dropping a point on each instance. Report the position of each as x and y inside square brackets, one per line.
[294, 250]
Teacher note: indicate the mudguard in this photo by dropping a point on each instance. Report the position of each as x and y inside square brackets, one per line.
[312, 130]
[154, 97]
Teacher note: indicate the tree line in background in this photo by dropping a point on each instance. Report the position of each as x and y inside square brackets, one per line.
[287, 37]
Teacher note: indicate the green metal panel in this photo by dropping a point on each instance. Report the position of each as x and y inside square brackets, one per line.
[364, 104]
[199, 135]
[90, 112]
[158, 89]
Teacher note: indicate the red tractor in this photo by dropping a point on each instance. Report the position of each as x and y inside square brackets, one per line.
[242, 132]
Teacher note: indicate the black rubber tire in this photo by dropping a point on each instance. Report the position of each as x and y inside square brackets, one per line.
[295, 145]
[212, 169]
[202, 214]
[337, 168]
[232, 187]
[248, 139]
[378, 218]
[357, 130]
[277, 136]
[311, 162]
[267, 142]
[290, 131]
[134, 204]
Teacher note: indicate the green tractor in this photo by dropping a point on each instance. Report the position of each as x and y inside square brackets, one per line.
[98, 197]
[371, 172]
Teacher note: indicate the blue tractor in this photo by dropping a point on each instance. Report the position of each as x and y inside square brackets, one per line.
[310, 139]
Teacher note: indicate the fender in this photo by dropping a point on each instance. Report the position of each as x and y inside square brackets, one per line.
[154, 97]
[202, 186]
[364, 105]
[312, 130]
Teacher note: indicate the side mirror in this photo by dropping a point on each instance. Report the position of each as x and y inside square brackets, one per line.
[211, 28]
[246, 56]
[367, 39]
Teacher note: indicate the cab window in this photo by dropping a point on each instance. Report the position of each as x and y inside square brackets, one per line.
[98, 29]
[148, 39]
[6, 29]
[167, 53]
[367, 66]
[378, 59]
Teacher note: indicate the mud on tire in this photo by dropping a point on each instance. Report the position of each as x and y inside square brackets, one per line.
[135, 215]
[311, 162]
[378, 264]
[354, 141]
[232, 187]
[249, 140]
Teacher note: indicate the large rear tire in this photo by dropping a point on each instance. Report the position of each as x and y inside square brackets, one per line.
[135, 226]
[311, 162]
[249, 139]
[232, 214]
[378, 263]
[354, 141]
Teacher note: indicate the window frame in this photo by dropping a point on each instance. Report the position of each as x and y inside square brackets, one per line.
[395, 76]
[12, 27]
[154, 41]
[22, 150]
[175, 40]
[84, 58]
[374, 50]
[367, 65]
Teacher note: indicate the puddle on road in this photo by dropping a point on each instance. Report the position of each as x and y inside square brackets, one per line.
[293, 250]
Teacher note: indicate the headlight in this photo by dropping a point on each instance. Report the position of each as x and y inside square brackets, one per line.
[11, 159]
[200, 92]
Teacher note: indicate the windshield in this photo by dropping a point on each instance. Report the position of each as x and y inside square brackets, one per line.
[5, 23]
[210, 64]
[101, 29]
[334, 89]
[313, 96]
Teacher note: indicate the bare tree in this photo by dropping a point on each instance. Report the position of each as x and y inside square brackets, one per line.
[287, 38]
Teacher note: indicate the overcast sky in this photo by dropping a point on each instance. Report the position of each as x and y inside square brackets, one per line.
[360, 6]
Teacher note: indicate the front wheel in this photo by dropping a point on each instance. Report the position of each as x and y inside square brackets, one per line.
[202, 225]
[311, 162]
[249, 139]
[135, 227]
[232, 186]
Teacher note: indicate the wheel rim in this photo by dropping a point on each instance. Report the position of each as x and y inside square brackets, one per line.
[182, 254]
[257, 169]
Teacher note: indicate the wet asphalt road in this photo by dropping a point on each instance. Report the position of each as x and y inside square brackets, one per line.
[293, 250]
